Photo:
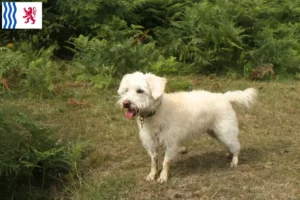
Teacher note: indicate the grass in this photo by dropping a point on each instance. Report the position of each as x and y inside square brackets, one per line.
[116, 163]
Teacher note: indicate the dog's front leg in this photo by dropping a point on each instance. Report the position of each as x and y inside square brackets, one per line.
[150, 145]
[153, 171]
[171, 152]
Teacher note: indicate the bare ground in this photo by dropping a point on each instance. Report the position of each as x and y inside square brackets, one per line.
[116, 163]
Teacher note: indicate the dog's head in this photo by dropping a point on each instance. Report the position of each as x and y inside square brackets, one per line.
[140, 92]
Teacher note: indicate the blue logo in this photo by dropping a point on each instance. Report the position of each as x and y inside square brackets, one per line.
[9, 11]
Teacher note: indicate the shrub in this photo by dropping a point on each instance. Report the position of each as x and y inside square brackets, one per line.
[205, 36]
[102, 59]
[29, 156]
[12, 62]
[35, 71]
[165, 66]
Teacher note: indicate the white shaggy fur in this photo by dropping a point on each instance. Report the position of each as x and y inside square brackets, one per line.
[168, 119]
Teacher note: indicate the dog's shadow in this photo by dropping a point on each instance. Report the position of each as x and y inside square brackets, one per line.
[196, 163]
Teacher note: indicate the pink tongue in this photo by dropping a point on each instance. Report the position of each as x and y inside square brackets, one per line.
[129, 114]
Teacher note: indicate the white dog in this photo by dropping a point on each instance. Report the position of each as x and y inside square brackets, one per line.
[168, 119]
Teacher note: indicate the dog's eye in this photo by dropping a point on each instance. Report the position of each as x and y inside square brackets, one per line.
[126, 90]
[140, 91]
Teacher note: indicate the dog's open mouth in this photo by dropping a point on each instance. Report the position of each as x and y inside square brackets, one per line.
[130, 113]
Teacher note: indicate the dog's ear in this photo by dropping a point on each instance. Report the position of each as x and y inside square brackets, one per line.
[120, 89]
[156, 84]
[121, 86]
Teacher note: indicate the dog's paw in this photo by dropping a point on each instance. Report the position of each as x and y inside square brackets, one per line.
[150, 177]
[233, 165]
[163, 177]
[162, 180]
[234, 162]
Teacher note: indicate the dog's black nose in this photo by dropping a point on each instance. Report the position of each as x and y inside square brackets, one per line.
[126, 104]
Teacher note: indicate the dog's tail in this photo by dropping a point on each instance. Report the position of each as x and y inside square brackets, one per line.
[246, 98]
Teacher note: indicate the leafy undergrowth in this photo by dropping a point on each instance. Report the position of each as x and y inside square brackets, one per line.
[33, 163]
[116, 164]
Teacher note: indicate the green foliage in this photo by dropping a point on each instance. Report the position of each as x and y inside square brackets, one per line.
[203, 37]
[100, 60]
[42, 72]
[28, 154]
[11, 62]
[213, 36]
[165, 66]
[34, 70]
[279, 45]
[96, 54]
[208, 36]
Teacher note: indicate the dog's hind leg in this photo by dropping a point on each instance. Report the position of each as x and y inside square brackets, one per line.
[227, 133]
[234, 149]
[212, 134]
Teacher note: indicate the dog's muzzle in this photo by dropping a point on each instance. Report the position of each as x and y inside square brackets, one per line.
[130, 112]
[126, 104]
